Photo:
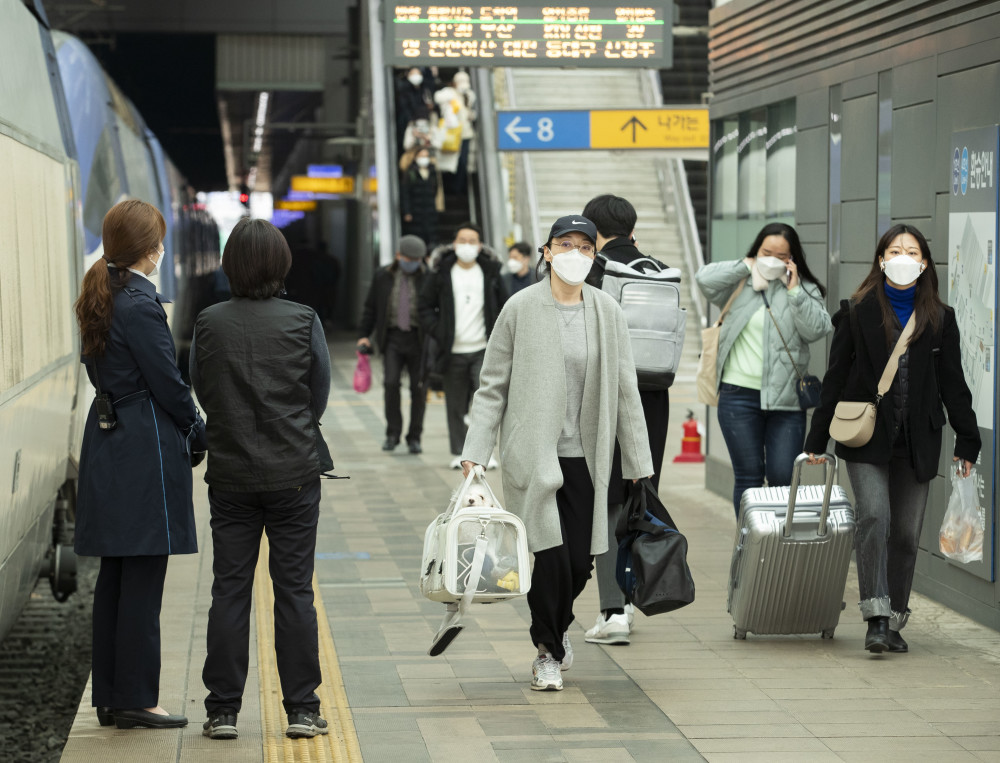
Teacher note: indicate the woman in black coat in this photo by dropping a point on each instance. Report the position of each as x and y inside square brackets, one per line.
[418, 188]
[134, 506]
[891, 473]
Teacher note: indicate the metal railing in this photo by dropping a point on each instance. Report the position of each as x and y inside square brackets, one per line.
[674, 189]
[526, 203]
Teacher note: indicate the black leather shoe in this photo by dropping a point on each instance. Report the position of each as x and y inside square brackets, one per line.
[896, 643]
[877, 639]
[389, 444]
[105, 716]
[414, 446]
[143, 719]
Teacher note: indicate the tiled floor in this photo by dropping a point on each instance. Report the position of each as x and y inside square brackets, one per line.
[683, 690]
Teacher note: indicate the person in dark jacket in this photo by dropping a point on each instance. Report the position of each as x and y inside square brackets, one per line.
[414, 100]
[134, 506]
[391, 313]
[615, 219]
[891, 473]
[520, 273]
[418, 189]
[459, 303]
[261, 368]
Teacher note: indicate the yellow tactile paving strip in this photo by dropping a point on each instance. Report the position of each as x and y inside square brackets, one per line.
[341, 744]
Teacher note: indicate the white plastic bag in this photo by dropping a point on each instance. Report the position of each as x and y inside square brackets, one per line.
[961, 536]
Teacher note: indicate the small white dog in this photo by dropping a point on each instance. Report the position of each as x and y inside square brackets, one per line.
[476, 496]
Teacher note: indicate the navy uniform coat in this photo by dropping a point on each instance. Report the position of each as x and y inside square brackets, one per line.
[135, 480]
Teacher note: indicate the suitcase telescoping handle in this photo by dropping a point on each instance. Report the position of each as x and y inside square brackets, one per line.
[831, 474]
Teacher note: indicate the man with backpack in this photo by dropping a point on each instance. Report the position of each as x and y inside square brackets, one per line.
[615, 219]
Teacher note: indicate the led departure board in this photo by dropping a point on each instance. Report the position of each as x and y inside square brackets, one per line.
[603, 35]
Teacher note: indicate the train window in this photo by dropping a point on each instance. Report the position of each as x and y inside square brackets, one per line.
[104, 186]
[138, 165]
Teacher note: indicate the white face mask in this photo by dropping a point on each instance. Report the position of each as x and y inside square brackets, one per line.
[416, 79]
[467, 252]
[902, 270]
[156, 265]
[514, 265]
[572, 267]
[770, 267]
[423, 161]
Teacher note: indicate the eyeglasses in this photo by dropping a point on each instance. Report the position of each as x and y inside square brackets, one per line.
[568, 246]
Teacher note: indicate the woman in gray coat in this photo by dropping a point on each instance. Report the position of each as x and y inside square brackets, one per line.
[557, 424]
[759, 413]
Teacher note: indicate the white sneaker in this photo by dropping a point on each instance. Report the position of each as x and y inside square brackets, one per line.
[567, 660]
[630, 614]
[456, 463]
[545, 674]
[492, 463]
[613, 630]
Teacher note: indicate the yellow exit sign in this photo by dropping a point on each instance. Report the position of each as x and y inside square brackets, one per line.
[323, 185]
[649, 128]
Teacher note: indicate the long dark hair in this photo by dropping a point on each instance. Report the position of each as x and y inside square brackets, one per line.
[927, 304]
[788, 233]
[132, 230]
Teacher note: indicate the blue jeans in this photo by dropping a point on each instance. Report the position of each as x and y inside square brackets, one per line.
[761, 443]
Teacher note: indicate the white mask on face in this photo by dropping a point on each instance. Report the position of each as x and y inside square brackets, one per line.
[514, 265]
[902, 269]
[416, 79]
[572, 267]
[423, 161]
[770, 267]
[467, 252]
[156, 265]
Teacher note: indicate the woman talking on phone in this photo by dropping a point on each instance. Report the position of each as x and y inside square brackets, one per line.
[891, 472]
[134, 507]
[761, 355]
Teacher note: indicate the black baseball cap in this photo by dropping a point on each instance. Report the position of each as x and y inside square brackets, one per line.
[577, 223]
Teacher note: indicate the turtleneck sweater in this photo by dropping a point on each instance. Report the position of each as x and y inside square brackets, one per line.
[901, 301]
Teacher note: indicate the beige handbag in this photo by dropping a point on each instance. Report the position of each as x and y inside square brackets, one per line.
[853, 421]
[707, 378]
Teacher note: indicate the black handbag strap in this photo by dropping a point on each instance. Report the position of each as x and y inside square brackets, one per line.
[97, 377]
[780, 336]
[639, 504]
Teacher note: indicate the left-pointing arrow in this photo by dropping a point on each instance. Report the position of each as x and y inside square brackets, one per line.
[512, 129]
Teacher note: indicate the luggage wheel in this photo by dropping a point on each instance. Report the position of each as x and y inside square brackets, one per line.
[739, 634]
[827, 634]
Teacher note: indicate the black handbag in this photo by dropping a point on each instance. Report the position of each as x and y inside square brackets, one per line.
[808, 387]
[652, 568]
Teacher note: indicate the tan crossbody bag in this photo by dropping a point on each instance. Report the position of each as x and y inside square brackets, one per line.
[854, 422]
[707, 378]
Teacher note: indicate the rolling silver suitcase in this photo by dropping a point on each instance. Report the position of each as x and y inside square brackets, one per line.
[790, 559]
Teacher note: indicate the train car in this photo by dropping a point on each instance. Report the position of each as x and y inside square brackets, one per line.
[71, 146]
[40, 271]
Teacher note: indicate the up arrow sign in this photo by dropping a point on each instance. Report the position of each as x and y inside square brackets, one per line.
[512, 129]
[634, 121]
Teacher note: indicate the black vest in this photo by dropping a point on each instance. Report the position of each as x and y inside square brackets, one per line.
[254, 362]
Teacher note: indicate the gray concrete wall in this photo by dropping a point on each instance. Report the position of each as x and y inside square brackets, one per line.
[878, 90]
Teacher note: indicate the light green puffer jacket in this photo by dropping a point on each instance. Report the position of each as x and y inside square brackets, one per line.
[802, 317]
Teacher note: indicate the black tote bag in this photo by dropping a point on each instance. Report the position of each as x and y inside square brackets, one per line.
[652, 568]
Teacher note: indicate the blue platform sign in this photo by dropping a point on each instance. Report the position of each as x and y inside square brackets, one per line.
[543, 130]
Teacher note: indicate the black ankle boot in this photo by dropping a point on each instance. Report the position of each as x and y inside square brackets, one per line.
[877, 639]
[896, 643]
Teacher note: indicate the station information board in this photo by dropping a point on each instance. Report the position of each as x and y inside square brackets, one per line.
[606, 35]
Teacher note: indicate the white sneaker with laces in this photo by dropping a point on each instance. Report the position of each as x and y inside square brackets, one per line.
[630, 614]
[546, 674]
[456, 463]
[567, 660]
[611, 630]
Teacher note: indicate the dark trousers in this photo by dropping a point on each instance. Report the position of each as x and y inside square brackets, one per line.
[289, 518]
[125, 656]
[761, 443]
[656, 412]
[461, 380]
[889, 512]
[561, 573]
[403, 350]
